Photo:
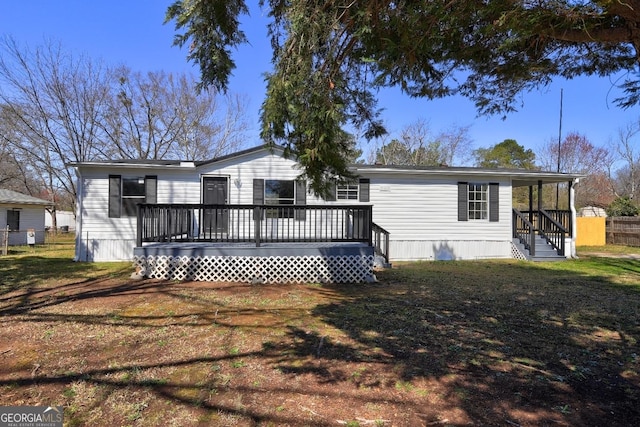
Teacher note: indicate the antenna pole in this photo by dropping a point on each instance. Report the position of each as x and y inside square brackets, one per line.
[559, 146]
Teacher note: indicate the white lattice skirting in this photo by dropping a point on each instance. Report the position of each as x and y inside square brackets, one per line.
[273, 269]
[516, 253]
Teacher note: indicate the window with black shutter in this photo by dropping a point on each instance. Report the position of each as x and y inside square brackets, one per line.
[125, 193]
[478, 201]
[354, 190]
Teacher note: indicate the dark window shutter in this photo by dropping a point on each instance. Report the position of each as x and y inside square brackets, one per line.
[331, 196]
[301, 199]
[258, 195]
[301, 193]
[364, 190]
[115, 203]
[494, 203]
[463, 199]
[151, 189]
[258, 191]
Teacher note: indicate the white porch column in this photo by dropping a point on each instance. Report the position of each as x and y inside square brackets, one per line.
[571, 241]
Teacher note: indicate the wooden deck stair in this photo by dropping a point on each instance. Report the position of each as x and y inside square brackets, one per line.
[544, 251]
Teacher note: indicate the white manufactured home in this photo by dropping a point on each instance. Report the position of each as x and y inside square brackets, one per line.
[246, 216]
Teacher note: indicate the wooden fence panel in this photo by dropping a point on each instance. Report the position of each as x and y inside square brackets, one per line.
[623, 230]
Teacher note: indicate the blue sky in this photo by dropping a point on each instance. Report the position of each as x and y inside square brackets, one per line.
[131, 32]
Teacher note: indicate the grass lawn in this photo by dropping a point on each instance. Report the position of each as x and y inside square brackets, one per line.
[504, 343]
[612, 250]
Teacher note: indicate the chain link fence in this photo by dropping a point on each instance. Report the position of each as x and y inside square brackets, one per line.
[19, 240]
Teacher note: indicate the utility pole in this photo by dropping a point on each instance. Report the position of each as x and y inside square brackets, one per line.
[559, 146]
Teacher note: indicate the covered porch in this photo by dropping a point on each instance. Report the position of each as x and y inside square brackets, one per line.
[259, 243]
[546, 234]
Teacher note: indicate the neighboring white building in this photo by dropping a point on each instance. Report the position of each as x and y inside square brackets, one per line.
[591, 211]
[431, 213]
[19, 214]
[66, 220]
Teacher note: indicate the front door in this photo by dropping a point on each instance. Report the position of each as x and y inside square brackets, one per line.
[214, 192]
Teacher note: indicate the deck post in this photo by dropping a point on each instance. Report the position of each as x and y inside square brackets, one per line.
[139, 226]
[257, 217]
[531, 204]
[539, 224]
[532, 240]
[369, 227]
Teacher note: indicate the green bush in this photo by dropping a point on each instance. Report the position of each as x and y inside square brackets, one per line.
[622, 206]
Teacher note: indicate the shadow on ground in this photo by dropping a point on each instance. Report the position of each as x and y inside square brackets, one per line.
[431, 344]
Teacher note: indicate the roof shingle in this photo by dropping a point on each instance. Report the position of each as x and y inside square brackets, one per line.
[10, 196]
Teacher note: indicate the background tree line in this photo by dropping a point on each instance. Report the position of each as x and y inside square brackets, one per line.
[612, 171]
[57, 109]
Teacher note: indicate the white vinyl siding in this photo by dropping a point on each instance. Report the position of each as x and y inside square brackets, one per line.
[419, 211]
[101, 238]
[31, 217]
[421, 216]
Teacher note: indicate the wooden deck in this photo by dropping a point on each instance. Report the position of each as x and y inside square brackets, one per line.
[250, 249]
[267, 243]
[303, 262]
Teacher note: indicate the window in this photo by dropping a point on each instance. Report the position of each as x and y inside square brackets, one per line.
[355, 190]
[348, 191]
[126, 193]
[478, 201]
[279, 192]
[132, 194]
[13, 220]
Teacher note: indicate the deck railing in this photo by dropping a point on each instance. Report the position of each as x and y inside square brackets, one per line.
[553, 231]
[254, 223]
[524, 231]
[562, 217]
[552, 225]
[381, 241]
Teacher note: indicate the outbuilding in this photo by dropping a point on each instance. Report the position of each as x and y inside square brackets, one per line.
[23, 218]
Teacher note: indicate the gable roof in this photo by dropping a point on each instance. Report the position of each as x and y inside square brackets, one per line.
[177, 163]
[265, 147]
[13, 197]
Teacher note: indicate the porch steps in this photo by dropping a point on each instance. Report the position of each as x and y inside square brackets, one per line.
[544, 251]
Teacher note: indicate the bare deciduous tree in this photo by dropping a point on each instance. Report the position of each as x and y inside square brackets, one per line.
[59, 109]
[576, 154]
[627, 176]
[211, 125]
[456, 145]
[417, 146]
[54, 101]
[160, 116]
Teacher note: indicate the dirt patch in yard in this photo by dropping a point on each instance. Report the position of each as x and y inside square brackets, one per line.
[457, 344]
